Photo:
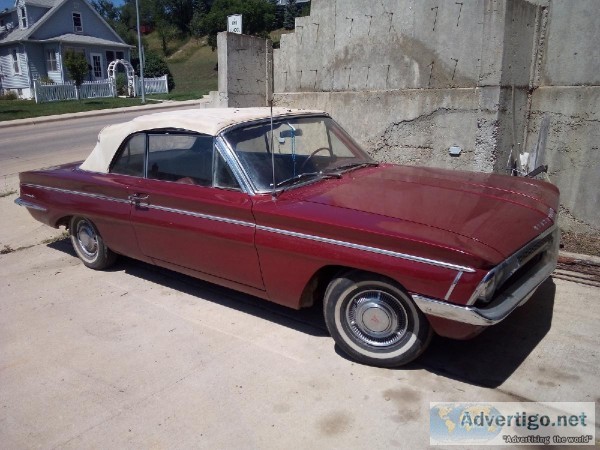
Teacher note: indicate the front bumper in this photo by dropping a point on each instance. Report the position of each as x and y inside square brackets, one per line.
[506, 302]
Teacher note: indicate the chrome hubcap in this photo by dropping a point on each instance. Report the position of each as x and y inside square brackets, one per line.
[87, 239]
[376, 318]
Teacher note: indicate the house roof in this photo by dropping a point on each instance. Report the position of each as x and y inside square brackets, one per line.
[42, 3]
[17, 34]
[14, 35]
[209, 121]
[71, 38]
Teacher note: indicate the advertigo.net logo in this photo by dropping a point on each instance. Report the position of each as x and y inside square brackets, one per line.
[510, 423]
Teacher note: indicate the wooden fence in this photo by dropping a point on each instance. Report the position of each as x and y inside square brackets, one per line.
[49, 92]
[152, 85]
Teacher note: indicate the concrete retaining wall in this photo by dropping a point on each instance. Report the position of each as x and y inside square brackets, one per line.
[410, 78]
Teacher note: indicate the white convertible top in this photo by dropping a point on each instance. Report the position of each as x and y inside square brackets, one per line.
[209, 121]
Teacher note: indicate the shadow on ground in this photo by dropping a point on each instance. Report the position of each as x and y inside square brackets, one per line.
[308, 321]
[491, 358]
[487, 360]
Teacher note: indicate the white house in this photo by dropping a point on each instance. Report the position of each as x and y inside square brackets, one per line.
[36, 34]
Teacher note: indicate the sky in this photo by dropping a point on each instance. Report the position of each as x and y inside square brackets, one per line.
[11, 3]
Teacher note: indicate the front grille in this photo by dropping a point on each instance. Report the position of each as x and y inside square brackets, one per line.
[522, 270]
[513, 270]
[531, 250]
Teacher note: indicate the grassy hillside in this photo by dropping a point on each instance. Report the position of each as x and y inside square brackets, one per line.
[192, 63]
[194, 68]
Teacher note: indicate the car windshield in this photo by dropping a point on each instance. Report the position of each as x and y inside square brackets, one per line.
[304, 149]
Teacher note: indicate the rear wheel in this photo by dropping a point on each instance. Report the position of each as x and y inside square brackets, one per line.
[89, 245]
[374, 321]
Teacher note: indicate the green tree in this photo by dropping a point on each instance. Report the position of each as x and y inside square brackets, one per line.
[108, 11]
[258, 17]
[177, 13]
[77, 68]
[197, 23]
[290, 14]
[279, 12]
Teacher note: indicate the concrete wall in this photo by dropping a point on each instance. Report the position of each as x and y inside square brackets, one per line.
[410, 78]
[242, 69]
[566, 88]
[431, 74]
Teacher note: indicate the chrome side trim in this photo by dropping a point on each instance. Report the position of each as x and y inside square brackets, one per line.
[83, 194]
[367, 248]
[310, 237]
[453, 285]
[201, 216]
[500, 307]
[19, 201]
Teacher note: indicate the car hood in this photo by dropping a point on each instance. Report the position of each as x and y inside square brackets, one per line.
[500, 212]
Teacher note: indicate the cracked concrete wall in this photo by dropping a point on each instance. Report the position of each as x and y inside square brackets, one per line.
[410, 78]
[566, 88]
[378, 53]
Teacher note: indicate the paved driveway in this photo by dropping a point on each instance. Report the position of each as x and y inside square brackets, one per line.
[140, 357]
[143, 357]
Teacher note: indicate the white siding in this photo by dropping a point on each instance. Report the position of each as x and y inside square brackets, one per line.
[12, 80]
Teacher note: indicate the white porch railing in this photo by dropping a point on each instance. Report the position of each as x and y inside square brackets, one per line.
[48, 92]
[152, 85]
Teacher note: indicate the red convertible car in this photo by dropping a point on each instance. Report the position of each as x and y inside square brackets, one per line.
[287, 207]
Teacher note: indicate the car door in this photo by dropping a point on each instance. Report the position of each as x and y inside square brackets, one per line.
[189, 211]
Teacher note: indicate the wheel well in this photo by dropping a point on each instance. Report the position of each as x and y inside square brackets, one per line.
[315, 288]
[63, 221]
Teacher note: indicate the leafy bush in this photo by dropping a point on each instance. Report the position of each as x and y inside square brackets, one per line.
[77, 67]
[156, 66]
[121, 81]
[10, 95]
[46, 80]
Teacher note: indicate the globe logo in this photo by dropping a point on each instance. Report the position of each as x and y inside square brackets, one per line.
[462, 423]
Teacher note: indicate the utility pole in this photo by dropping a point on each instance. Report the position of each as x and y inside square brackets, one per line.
[140, 52]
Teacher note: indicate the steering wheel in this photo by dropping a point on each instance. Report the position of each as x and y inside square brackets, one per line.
[320, 149]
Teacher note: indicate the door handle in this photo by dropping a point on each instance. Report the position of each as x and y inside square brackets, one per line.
[139, 199]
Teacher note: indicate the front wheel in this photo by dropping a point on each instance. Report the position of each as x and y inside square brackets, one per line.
[89, 245]
[374, 321]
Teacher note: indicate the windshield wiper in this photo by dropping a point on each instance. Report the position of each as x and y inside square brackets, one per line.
[301, 176]
[351, 166]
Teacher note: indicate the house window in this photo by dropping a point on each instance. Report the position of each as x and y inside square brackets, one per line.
[77, 23]
[15, 61]
[110, 56]
[23, 18]
[51, 60]
[97, 65]
[120, 55]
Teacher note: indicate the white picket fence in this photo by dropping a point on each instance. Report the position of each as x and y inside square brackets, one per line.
[152, 85]
[48, 92]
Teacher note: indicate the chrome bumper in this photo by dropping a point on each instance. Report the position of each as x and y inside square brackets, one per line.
[505, 303]
[19, 201]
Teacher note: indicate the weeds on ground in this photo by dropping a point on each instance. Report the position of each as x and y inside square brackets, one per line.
[7, 193]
